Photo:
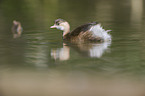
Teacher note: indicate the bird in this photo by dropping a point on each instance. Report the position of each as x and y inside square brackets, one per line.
[87, 32]
[16, 29]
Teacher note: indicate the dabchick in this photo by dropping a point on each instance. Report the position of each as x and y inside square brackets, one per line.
[87, 32]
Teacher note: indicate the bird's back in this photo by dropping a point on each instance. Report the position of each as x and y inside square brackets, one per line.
[87, 32]
[83, 28]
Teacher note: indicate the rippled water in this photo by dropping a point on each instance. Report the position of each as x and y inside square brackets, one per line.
[39, 63]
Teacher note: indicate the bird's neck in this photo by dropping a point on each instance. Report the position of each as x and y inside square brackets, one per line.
[66, 30]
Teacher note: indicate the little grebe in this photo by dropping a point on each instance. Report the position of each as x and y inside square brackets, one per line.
[87, 32]
[16, 29]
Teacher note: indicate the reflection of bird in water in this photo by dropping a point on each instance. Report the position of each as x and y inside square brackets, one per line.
[98, 50]
[90, 50]
[16, 29]
[87, 32]
[61, 53]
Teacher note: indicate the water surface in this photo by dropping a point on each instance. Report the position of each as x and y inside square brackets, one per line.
[39, 63]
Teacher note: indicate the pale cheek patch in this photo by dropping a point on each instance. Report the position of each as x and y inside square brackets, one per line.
[60, 27]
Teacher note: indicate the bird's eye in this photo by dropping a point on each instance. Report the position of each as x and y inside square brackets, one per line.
[57, 23]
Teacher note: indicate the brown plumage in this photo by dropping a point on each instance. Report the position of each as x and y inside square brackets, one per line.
[87, 32]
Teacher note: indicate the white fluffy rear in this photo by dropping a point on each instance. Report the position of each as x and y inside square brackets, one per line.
[98, 31]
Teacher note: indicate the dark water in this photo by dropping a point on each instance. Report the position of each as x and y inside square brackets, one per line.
[39, 64]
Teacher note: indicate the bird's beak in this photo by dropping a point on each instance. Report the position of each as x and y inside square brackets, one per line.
[54, 26]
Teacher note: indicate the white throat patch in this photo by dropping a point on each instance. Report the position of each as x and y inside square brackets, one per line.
[60, 27]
